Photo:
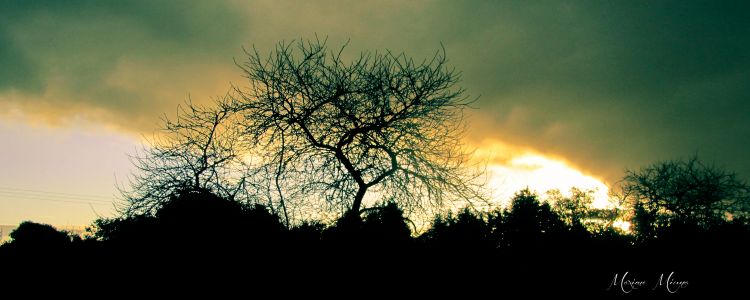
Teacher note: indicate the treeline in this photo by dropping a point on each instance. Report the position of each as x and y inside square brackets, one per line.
[319, 128]
[532, 246]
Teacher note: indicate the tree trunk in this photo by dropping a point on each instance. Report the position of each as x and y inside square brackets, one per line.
[357, 205]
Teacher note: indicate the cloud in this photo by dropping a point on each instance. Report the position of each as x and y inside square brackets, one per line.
[612, 86]
[118, 62]
[17, 71]
[605, 85]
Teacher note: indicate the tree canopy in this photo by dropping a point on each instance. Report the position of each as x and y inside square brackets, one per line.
[313, 131]
[684, 191]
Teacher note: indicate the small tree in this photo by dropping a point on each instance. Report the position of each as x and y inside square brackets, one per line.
[574, 210]
[686, 192]
[381, 125]
[32, 234]
[530, 223]
[578, 213]
[37, 241]
[197, 150]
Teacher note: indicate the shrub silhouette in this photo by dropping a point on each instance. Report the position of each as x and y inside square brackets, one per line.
[201, 216]
[530, 224]
[688, 193]
[383, 226]
[466, 230]
[124, 231]
[309, 232]
[197, 222]
[35, 245]
[386, 224]
[197, 233]
[35, 237]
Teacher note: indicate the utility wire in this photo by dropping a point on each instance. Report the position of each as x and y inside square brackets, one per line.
[56, 194]
[30, 197]
[8, 195]
[55, 199]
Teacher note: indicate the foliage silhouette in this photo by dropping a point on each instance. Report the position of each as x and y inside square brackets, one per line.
[197, 233]
[465, 230]
[530, 224]
[192, 224]
[35, 238]
[386, 224]
[687, 194]
[383, 226]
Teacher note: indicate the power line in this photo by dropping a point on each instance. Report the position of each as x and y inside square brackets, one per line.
[21, 196]
[57, 199]
[58, 194]
[11, 196]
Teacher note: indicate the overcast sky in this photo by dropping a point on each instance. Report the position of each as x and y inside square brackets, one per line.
[603, 85]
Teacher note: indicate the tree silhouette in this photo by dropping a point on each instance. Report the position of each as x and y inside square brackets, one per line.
[466, 230]
[529, 223]
[575, 209]
[339, 130]
[32, 242]
[30, 234]
[683, 192]
[195, 221]
[386, 224]
[383, 225]
[196, 151]
[310, 126]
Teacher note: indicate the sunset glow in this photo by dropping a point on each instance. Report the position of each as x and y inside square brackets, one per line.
[542, 174]
[516, 149]
[512, 168]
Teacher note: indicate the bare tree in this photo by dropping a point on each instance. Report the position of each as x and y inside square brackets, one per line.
[196, 150]
[688, 191]
[379, 127]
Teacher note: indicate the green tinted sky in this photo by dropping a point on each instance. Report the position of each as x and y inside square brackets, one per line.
[604, 84]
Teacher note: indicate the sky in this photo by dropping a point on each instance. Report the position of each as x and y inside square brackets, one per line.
[581, 90]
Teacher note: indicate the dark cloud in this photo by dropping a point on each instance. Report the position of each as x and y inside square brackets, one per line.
[607, 85]
[92, 57]
[612, 86]
[17, 71]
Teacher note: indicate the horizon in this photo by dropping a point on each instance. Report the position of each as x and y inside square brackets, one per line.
[430, 146]
[569, 94]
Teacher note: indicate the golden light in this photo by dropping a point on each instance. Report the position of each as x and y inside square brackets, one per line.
[511, 169]
[622, 225]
